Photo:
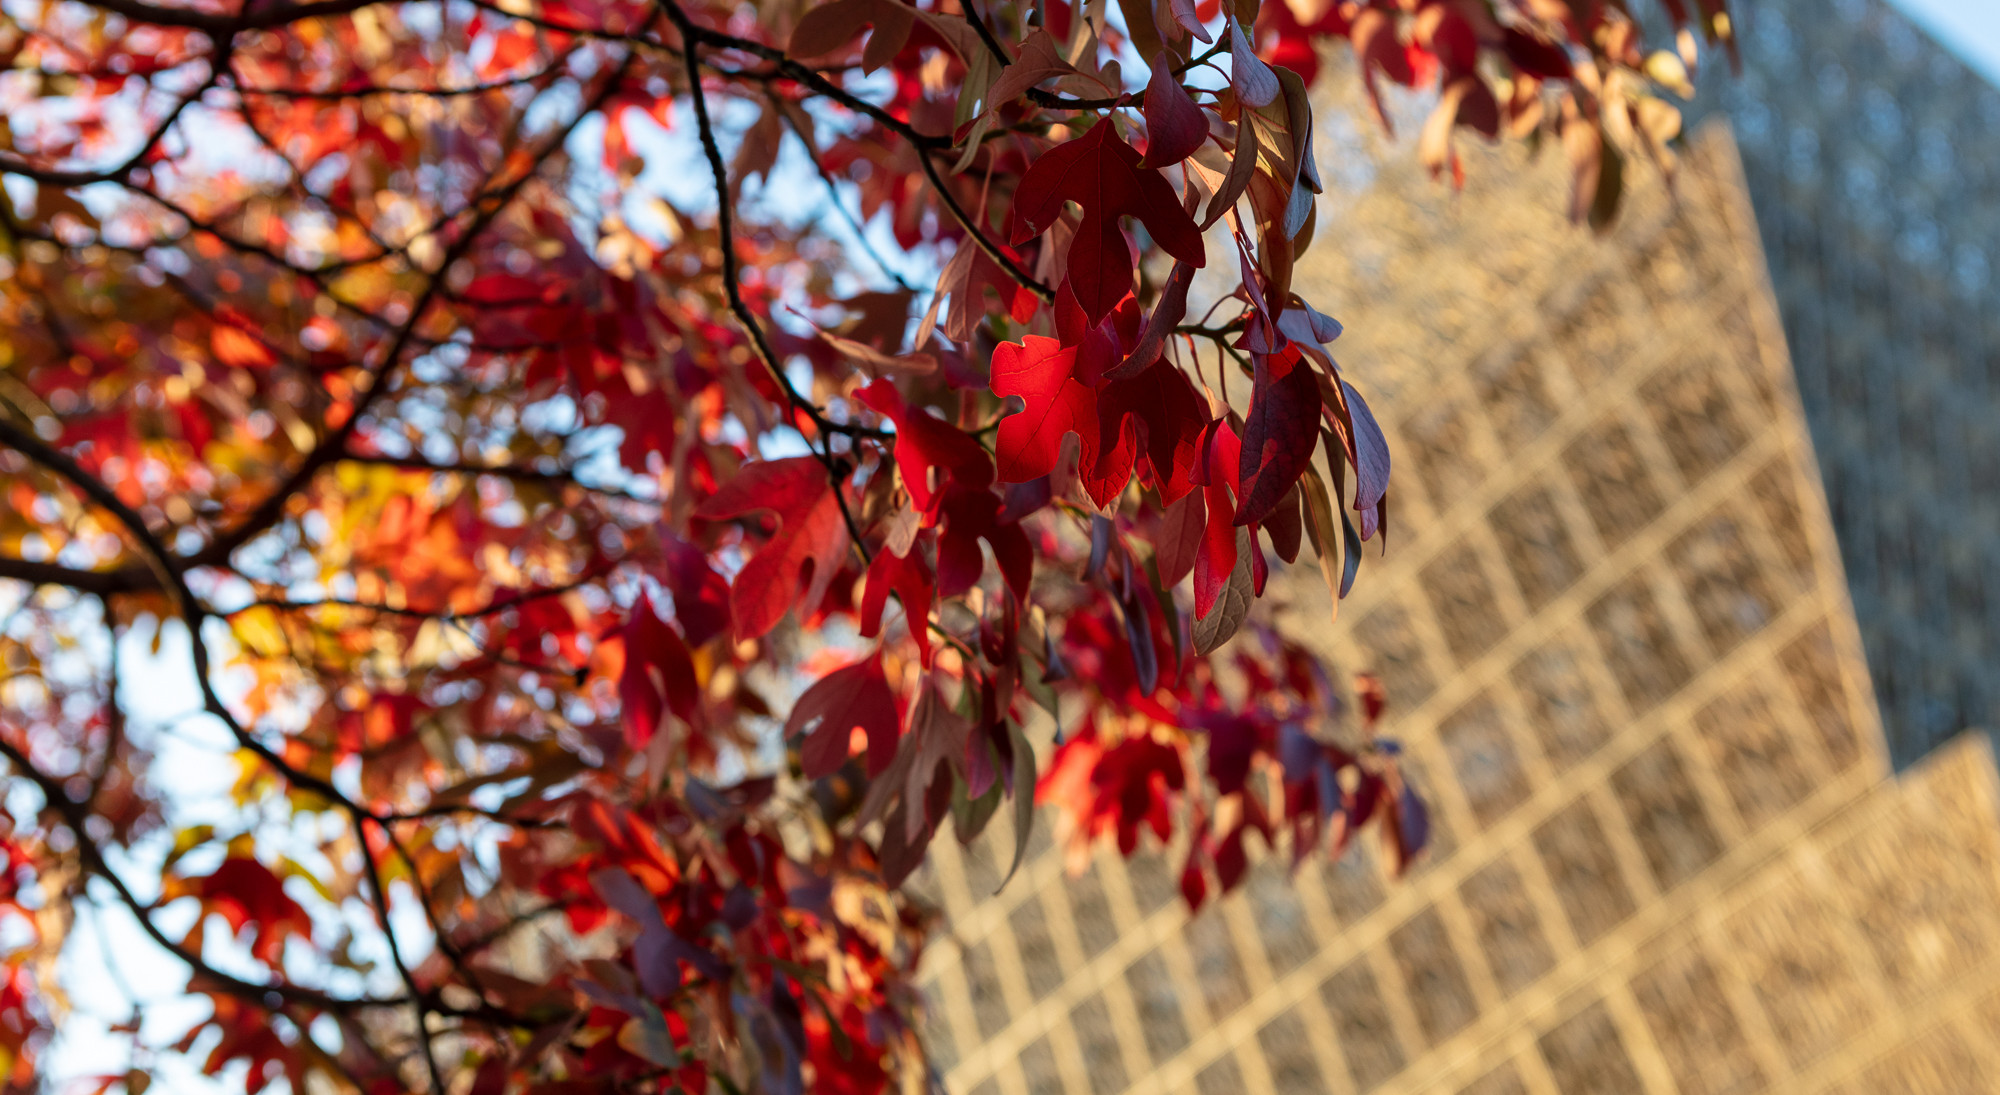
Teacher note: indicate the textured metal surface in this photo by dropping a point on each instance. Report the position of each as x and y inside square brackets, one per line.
[1869, 153]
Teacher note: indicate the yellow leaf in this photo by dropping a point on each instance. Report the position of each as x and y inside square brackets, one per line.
[260, 632]
[1669, 71]
[188, 840]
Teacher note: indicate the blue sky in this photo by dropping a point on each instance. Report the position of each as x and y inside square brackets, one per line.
[1969, 28]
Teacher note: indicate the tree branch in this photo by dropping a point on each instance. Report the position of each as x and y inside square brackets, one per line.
[731, 276]
[100, 582]
[380, 900]
[502, 471]
[75, 814]
[486, 207]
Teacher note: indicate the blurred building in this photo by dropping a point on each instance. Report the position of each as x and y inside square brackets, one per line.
[1694, 571]
[1869, 155]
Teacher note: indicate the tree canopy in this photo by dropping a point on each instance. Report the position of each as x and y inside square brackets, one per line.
[604, 567]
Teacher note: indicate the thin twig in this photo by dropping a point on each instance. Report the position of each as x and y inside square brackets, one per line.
[726, 232]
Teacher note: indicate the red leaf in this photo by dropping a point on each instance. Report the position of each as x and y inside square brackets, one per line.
[511, 46]
[1165, 417]
[1039, 370]
[245, 893]
[971, 517]
[1465, 101]
[648, 423]
[701, 596]
[937, 744]
[1131, 780]
[1376, 47]
[1374, 698]
[926, 443]
[1100, 347]
[830, 711]
[1167, 314]
[1286, 526]
[1175, 126]
[1218, 548]
[1231, 860]
[1291, 43]
[1279, 433]
[910, 579]
[1066, 779]
[1449, 35]
[1194, 883]
[1101, 173]
[799, 561]
[658, 673]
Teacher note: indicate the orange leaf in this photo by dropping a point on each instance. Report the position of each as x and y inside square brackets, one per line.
[240, 349]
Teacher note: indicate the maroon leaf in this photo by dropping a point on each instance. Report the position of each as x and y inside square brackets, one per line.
[1255, 83]
[1285, 527]
[831, 26]
[1194, 882]
[1175, 126]
[838, 703]
[658, 676]
[1279, 434]
[1534, 57]
[701, 596]
[1167, 314]
[1163, 415]
[1101, 173]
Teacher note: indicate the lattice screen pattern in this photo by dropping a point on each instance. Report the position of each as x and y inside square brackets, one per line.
[1620, 649]
[1873, 164]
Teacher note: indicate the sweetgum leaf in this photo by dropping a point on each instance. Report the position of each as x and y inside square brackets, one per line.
[659, 674]
[909, 577]
[1101, 173]
[830, 26]
[1040, 371]
[795, 566]
[931, 454]
[701, 596]
[838, 703]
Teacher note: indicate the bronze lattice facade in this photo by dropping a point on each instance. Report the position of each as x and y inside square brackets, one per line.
[1682, 572]
[1870, 156]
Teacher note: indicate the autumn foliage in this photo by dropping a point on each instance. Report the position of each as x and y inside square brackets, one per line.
[604, 568]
